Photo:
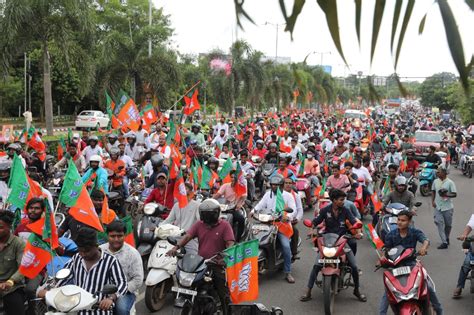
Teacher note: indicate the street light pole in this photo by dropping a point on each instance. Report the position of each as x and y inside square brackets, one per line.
[322, 55]
[359, 73]
[149, 23]
[276, 37]
[26, 91]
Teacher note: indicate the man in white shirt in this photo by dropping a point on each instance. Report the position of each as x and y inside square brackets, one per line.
[288, 187]
[392, 157]
[361, 172]
[267, 206]
[164, 148]
[295, 149]
[220, 139]
[329, 144]
[132, 149]
[92, 149]
[221, 125]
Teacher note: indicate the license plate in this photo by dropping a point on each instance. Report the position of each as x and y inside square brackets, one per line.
[472, 262]
[392, 220]
[329, 261]
[185, 291]
[401, 271]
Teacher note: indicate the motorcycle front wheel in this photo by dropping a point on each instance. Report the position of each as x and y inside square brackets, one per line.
[155, 296]
[472, 280]
[186, 310]
[329, 293]
[425, 190]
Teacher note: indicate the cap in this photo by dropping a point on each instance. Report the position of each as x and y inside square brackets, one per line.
[162, 175]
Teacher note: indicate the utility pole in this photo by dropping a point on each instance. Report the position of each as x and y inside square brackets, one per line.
[30, 78]
[276, 37]
[149, 23]
[359, 74]
[26, 91]
[322, 55]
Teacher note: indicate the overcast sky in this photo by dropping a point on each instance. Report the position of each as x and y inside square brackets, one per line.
[207, 24]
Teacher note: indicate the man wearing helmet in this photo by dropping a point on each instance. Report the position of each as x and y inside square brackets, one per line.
[214, 236]
[78, 159]
[272, 157]
[259, 151]
[283, 169]
[92, 149]
[118, 167]
[96, 176]
[401, 194]
[131, 148]
[267, 205]
[12, 149]
[112, 141]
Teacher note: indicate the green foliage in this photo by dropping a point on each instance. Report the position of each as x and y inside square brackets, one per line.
[433, 90]
[457, 99]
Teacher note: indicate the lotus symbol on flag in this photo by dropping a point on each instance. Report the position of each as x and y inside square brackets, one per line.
[182, 189]
[244, 279]
[28, 259]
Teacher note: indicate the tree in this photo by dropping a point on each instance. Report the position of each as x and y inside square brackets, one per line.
[433, 90]
[31, 23]
[456, 99]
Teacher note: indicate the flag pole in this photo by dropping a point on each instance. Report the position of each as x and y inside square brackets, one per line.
[182, 96]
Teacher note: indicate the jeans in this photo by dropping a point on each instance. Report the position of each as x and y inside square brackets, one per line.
[444, 221]
[14, 303]
[126, 190]
[286, 251]
[124, 304]
[351, 262]
[465, 269]
[239, 219]
[250, 189]
[383, 308]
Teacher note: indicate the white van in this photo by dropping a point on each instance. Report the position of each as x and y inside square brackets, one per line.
[354, 113]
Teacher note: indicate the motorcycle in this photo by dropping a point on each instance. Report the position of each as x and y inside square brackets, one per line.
[426, 177]
[406, 286]
[270, 256]
[267, 170]
[195, 292]
[388, 221]
[302, 187]
[469, 166]
[254, 309]
[411, 182]
[161, 268]
[468, 246]
[227, 215]
[71, 299]
[356, 195]
[145, 237]
[336, 273]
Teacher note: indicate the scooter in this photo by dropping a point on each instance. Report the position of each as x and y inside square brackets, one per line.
[468, 246]
[161, 268]
[71, 299]
[426, 177]
[406, 286]
[469, 166]
[145, 237]
[411, 181]
[336, 273]
[270, 256]
[195, 293]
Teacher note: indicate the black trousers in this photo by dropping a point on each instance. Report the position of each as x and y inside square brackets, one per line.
[220, 284]
[239, 220]
[294, 240]
[14, 303]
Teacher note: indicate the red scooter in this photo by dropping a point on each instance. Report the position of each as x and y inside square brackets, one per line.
[336, 272]
[406, 286]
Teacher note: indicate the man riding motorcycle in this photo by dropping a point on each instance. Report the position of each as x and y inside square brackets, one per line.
[467, 149]
[466, 266]
[407, 236]
[401, 195]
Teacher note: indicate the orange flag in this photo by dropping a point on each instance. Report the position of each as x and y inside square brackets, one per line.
[36, 256]
[84, 211]
[106, 215]
[179, 191]
[376, 202]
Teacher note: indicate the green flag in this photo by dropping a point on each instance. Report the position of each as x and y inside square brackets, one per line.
[18, 183]
[280, 202]
[323, 187]
[171, 133]
[69, 135]
[226, 168]
[72, 186]
[301, 168]
[386, 186]
[207, 178]
[110, 104]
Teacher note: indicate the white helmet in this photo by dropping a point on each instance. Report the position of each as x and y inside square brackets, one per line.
[95, 158]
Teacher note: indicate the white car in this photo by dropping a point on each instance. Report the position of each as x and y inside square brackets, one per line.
[92, 119]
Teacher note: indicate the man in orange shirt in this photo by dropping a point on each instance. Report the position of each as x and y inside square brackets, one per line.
[118, 167]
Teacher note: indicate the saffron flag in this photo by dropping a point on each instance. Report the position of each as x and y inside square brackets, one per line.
[192, 103]
[283, 147]
[46, 227]
[129, 116]
[373, 236]
[129, 238]
[242, 271]
[173, 135]
[74, 194]
[241, 183]
[38, 145]
[149, 116]
[180, 191]
[376, 202]
[107, 215]
[36, 256]
[284, 228]
[61, 148]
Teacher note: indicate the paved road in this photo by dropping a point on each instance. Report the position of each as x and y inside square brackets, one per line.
[443, 266]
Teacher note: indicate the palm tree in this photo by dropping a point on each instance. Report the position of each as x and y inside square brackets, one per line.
[31, 23]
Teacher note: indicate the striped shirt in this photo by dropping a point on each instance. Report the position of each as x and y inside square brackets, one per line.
[106, 271]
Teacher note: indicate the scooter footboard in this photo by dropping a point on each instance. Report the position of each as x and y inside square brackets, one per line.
[156, 276]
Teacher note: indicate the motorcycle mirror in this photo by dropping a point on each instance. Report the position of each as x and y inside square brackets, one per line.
[308, 223]
[289, 210]
[109, 289]
[62, 274]
[417, 204]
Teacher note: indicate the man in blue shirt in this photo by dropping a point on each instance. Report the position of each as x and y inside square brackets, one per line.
[407, 236]
[96, 175]
[334, 216]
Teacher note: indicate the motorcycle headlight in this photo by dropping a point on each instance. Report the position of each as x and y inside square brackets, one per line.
[329, 251]
[65, 303]
[186, 279]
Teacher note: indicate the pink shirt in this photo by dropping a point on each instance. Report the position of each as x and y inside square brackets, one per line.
[228, 192]
[339, 183]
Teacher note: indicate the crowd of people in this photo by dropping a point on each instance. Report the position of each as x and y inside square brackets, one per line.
[347, 161]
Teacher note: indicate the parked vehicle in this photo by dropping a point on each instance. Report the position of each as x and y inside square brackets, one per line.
[91, 119]
[423, 140]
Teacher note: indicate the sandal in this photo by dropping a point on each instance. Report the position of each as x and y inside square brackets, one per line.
[305, 298]
[359, 296]
[457, 293]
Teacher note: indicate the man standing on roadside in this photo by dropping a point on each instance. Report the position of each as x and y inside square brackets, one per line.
[443, 190]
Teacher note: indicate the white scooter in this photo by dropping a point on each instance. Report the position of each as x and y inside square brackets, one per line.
[161, 268]
[71, 299]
